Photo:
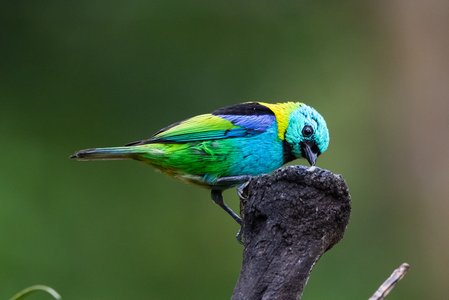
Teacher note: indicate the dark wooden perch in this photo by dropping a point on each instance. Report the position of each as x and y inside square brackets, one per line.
[290, 218]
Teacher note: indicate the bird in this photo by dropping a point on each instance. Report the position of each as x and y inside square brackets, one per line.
[228, 147]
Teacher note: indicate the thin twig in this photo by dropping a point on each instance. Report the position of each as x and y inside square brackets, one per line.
[35, 288]
[391, 282]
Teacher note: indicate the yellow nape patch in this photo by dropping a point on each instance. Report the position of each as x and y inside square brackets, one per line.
[282, 112]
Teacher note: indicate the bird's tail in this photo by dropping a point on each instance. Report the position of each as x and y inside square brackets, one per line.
[109, 153]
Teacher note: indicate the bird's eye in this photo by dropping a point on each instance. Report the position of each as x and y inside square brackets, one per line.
[307, 131]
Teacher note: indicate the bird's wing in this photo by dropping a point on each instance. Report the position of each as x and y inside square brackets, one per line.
[233, 121]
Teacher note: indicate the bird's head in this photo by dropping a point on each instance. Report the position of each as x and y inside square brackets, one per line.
[307, 133]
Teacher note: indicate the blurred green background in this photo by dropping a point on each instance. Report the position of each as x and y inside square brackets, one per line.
[79, 74]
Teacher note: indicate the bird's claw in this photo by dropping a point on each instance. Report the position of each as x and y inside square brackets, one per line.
[239, 236]
[242, 190]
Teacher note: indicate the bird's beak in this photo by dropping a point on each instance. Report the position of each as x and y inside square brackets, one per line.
[310, 151]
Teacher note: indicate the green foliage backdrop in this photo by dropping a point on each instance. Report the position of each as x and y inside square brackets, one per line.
[78, 74]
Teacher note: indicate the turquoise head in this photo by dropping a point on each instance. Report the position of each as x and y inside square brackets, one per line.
[307, 134]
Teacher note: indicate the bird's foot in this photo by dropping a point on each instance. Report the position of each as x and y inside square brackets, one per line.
[217, 197]
[230, 181]
[242, 190]
[239, 236]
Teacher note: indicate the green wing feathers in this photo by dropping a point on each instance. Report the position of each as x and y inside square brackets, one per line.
[199, 128]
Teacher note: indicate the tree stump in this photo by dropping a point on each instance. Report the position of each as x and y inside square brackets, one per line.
[290, 218]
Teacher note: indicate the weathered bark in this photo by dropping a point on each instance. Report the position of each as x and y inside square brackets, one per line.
[290, 218]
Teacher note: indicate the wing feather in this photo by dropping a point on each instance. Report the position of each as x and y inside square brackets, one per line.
[213, 126]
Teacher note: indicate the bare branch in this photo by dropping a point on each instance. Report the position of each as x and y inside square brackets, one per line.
[290, 218]
[391, 282]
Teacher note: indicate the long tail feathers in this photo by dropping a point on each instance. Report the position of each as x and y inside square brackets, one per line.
[106, 153]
